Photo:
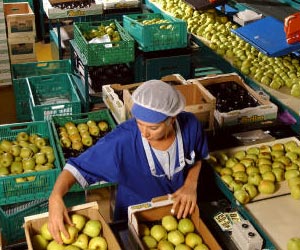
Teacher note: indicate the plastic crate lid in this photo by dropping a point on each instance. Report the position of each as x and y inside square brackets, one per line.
[268, 36]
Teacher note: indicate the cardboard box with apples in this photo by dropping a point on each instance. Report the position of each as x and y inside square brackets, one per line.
[90, 210]
[154, 210]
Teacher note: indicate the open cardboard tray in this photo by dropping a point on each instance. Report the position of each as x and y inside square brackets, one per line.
[265, 111]
[116, 104]
[90, 210]
[155, 210]
[280, 224]
[281, 187]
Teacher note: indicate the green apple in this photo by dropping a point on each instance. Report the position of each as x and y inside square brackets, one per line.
[40, 142]
[291, 155]
[264, 161]
[186, 225]
[143, 229]
[227, 179]
[267, 187]
[149, 241]
[53, 245]
[193, 239]
[78, 220]
[87, 140]
[16, 167]
[277, 147]
[73, 233]
[158, 232]
[295, 191]
[240, 176]
[175, 237]
[251, 170]
[263, 168]
[278, 164]
[295, 90]
[238, 167]
[250, 189]
[291, 173]
[77, 145]
[284, 159]
[94, 130]
[265, 148]
[6, 159]
[201, 247]
[4, 171]
[165, 245]
[32, 138]
[5, 145]
[293, 181]
[241, 196]
[253, 150]
[92, 228]
[269, 175]
[15, 150]
[39, 242]
[82, 241]
[40, 158]
[293, 243]
[26, 152]
[22, 136]
[226, 171]
[33, 147]
[182, 247]
[65, 142]
[72, 247]
[235, 185]
[279, 174]
[47, 149]
[103, 126]
[249, 160]
[289, 145]
[98, 243]
[24, 144]
[44, 231]
[265, 155]
[91, 123]
[39, 167]
[239, 154]
[50, 157]
[82, 127]
[277, 153]
[231, 162]
[169, 222]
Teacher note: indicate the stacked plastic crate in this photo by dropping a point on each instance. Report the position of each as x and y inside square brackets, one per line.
[21, 32]
[162, 45]
[5, 74]
[101, 53]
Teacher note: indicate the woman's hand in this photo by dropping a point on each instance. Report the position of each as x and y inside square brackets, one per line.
[185, 200]
[58, 216]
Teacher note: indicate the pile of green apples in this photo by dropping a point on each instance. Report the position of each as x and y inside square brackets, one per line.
[75, 138]
[27, 153]
[102, 30]
[259, 169]
[154, 21]
[214, 29]
[171, 234]
[85, 234]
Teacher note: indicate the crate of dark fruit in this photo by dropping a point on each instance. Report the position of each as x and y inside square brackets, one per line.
[236, 102]
[97, 76]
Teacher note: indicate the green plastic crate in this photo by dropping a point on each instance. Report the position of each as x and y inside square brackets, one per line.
[52, 95]
[157, 36]
[23, 70]
[12, 216]
[12, 191]
[57, 121]
[98, 54]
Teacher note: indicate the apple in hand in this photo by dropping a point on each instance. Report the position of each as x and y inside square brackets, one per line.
[92, 228]
[73, 233]
[44, 231]
[98, 243]
[39, 242]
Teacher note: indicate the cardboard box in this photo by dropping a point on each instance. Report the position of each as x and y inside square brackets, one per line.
[91, 210]
[113, 95]
[265, 111]
[20, 20]
[21, 50]
[157, 208]
[54, 13]
[198, 101]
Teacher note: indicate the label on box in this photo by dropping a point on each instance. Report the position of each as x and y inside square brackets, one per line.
[222, 220]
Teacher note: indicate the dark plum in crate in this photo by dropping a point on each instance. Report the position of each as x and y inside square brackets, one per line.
[118, 73]
[231, 96]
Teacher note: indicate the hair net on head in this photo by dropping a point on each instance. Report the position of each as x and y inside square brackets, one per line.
[155, 101]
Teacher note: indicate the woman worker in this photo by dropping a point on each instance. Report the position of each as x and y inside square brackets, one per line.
[158, 152]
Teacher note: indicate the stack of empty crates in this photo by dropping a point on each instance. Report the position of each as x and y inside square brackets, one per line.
[5, 74]
[21, 32]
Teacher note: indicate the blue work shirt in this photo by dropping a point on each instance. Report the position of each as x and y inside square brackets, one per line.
[122, 157]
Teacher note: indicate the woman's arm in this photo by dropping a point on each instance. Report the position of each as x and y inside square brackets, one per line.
[58, 214]
[185, 198]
